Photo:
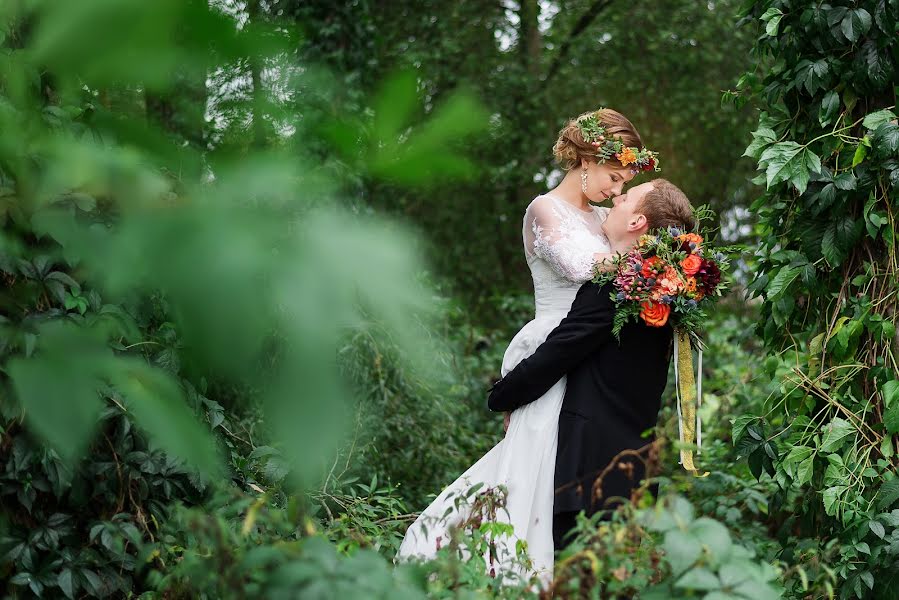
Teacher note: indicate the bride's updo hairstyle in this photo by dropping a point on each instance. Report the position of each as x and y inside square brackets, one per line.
[570, 149]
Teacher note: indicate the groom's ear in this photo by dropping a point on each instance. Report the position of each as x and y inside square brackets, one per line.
[637, 222]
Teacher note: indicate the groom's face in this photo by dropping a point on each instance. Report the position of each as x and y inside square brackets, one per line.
[625, 220]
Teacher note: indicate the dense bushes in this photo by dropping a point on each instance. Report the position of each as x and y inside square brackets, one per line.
[828, 144]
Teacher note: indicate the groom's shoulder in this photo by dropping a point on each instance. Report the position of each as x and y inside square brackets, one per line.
[594, 291]
[594, 287]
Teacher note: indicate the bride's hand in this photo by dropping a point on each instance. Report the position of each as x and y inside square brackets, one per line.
[507, 418]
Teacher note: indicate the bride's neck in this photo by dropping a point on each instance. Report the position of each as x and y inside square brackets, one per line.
[569, 190]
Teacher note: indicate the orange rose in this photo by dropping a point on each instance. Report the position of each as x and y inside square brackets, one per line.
[655, 314]
[691, 237]
[691, 264]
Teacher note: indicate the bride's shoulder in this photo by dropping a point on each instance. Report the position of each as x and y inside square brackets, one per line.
[542, 205]
[542, 200]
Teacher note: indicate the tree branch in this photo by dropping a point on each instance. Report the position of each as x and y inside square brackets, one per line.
[583, 23]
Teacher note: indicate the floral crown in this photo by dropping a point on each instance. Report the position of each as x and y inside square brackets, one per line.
[594, 133]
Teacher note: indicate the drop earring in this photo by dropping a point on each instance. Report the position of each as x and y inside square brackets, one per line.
[584, 181]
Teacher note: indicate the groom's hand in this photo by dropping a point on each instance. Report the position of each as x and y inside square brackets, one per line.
[507, 418]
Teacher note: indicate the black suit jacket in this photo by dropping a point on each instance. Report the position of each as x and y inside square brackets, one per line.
[612, 396]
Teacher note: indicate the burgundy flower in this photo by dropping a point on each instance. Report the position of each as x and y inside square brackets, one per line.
[708, 276]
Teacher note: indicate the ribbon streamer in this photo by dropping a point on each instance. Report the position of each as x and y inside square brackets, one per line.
[689, 399]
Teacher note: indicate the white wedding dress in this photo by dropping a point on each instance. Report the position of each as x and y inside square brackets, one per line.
[559, 243]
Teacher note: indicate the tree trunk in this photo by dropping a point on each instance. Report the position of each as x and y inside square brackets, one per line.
[258, 93]
[531, 104]
[180, 110]
[530, 35]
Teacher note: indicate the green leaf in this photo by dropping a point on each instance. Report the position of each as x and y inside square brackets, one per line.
[757, 589]
[812, 74]
[659, 519]
[887, 330]
[681, 550]
[829, 248]
[890, 391]
[799, 171]
[845, 181]
[58, 386]
[797, 454]
[717, 595]
[760, 142]
[876, 119]
[780, 162]
[733, 574]
[835, 433]
[835, 15]
[658, 592]
[831, 497]
[827, 195]
[714, 536]
[861, 151]
[739, 426]
[830, 105]
[66, 583]
[394, 106]
[888, 494]
[682, 511]
[812, 161]
[781, 282]
[698, 579]
[886, 138]
[159, 407]
[771, 13]
[855, 24]
[868, 578]
[805, 470]
[771, 26]
[891, 419]
[877, 528]
[93, 580]
[839, 238]
[886, 446]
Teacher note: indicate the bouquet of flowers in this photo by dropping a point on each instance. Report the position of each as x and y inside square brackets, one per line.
[671, 277]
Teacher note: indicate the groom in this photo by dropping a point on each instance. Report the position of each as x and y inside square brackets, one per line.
[614, 389]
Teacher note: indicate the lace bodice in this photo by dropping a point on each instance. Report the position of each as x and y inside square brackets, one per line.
[559, 243]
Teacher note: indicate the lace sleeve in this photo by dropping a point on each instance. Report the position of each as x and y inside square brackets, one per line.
[560, 237]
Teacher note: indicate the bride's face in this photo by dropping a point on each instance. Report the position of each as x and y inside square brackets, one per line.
[605, 182]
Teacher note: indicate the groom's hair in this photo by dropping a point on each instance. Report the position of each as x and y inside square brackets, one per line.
[665, 205]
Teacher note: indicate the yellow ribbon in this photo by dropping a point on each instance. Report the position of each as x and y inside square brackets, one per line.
[688, 398]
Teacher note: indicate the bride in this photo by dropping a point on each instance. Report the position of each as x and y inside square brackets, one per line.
[563, 240]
